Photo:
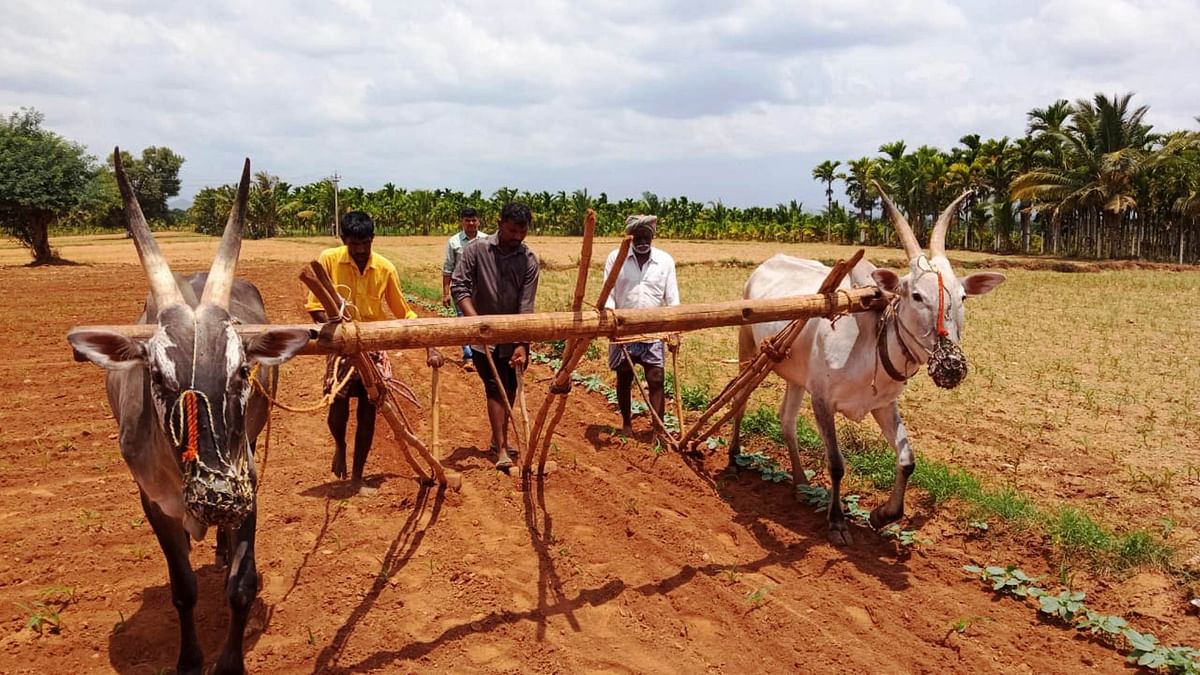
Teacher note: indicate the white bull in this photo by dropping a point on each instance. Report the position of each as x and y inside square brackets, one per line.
[859, 364]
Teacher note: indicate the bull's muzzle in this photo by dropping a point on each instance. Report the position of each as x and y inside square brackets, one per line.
[218, 497]
[947, 364]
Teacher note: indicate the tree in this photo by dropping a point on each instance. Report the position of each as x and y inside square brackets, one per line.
[155, 179]
[43, 177]
[1105, 147]
[826, 172]
[266, 194]
[859, 189]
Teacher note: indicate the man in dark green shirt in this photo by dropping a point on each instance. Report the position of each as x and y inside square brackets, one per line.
[498, 274]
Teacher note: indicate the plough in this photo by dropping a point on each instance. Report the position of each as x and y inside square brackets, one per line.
[579, 328]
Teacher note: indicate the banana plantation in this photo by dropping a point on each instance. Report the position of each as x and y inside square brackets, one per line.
[1087, 179]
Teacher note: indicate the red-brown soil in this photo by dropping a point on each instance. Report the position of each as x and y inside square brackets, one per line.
[621, 561]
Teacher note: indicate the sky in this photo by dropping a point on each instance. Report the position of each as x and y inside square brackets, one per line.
[731, 101]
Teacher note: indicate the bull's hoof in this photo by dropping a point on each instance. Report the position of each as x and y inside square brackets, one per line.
[880, 518]
[839, 534]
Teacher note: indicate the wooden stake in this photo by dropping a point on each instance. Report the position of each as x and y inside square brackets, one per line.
[434, 413]
[675, 381]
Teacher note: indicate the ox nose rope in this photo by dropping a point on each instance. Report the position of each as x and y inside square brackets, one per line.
[185, 415]
[184, 424]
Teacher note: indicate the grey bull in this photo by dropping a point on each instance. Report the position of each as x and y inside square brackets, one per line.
[188, 414]
[861, 363]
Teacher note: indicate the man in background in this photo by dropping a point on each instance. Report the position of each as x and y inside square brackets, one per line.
[468, 223]
[498, 274]
[646, 279]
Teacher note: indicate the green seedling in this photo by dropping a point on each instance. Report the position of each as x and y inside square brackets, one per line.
[1011, 579]
[961, 625]
[1063, 606]
[1103, 625]
[758, 596]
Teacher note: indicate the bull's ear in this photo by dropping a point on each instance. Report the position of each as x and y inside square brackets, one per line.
[886, 280]
[107, 349]
[275, 346]
[981, 283]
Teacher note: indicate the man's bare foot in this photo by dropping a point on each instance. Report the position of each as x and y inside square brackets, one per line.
[339, 463]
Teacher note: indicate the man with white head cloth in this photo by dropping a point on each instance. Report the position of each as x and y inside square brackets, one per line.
[647, 279]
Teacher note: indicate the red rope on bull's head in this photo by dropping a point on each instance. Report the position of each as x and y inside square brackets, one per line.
[193, 426]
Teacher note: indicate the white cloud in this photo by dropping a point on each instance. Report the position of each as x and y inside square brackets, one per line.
[730, 100]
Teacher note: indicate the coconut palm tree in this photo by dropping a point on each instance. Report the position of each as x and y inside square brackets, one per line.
[1105, 146]
[826, 172]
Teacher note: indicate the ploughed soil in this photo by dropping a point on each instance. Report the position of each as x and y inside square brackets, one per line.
[621, 560]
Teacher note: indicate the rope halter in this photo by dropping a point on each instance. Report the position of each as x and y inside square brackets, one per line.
[184, 423]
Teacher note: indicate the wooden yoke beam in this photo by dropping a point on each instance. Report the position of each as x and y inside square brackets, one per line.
[343, 338]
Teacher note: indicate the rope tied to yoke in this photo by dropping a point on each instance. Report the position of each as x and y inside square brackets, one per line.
[324, 401]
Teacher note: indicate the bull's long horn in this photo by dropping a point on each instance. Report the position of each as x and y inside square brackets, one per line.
[158, 272]
[903, 229]
[937, 240]
[220, 275]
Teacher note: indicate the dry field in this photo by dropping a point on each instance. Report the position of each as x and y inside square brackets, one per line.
[1083, 392]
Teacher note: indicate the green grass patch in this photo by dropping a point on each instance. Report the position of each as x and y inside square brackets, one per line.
[423, 291]
[1008, 504]
[1074, 535]
[762, 421]
[1074, 532]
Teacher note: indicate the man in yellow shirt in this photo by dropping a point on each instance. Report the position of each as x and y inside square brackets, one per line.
[366, 281]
